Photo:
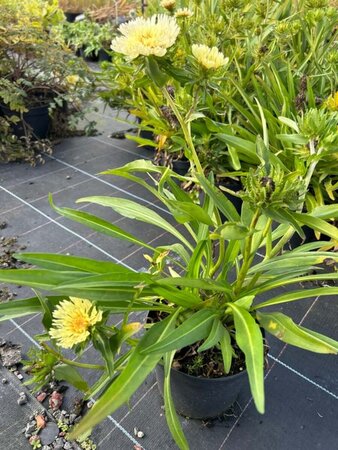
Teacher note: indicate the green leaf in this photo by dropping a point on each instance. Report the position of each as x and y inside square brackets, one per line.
[193, 329]
[133, 210]
[64, 372]
[232, 231]
[318, 225]
[298, 295]
[40, 279]
[170, 412]
[20, 308]
[187, 212]
[153, 70]
[223, 204]
[47, 310]
[198, 283]
[250, 340]
[177, 296]
[100, 225]
[214, 337]
[286, 330]
[136, 371]
[226, 349]
[68, 263]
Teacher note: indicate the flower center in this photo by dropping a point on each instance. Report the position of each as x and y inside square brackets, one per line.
[79, 324]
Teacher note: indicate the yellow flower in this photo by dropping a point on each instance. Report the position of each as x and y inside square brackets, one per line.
[146, 36]
[332, 102]
[72, 79]
[184, 12]
[209, 58]
[168, 4]
[72, 320]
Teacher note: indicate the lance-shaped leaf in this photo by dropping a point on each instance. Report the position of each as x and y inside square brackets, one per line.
[284, 328]
[40, 279]
[193, 329]
[250, 340]
[298, 295]
[226, 349]
[134, 210]
[53, 261]
[177, 296]
[98, 224]
[317, 224]
[137, 369]
[170, 412]
[25, 307]
[64, 372]
[214, 337]
[187, 212]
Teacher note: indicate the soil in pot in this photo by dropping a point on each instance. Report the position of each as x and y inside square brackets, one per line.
[36, 121]
[91, 57]
[71, 16]
[200, 388]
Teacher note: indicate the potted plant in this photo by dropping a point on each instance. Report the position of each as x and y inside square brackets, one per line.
[38, 76]
[198, 297]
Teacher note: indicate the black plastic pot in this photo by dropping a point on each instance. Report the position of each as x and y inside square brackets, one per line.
[181, 166]
[91, 57]
[70, 16]
[35, 120]
[202, 398]
[103, 55]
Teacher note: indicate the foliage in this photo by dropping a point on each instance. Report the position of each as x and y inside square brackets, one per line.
[208, 280]
[36, 68]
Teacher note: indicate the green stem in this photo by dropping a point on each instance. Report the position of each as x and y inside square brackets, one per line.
[186, 131]
[247, 254]
[70, 362]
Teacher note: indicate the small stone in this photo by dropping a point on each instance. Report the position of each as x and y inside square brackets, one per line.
[78, 419]
[58, 444]
[49, 433]
[90, 404]
[3, 225]
[41, 397]
[34, 439]
[4, 381]
[68, 177]
[22, 400]
[140, 434]
[72, 418]
[40, 421]
[46, 447]
[137, 447]
[19, 376]
[68, 446]
[30, 427]
[55, 400]
[135, 431]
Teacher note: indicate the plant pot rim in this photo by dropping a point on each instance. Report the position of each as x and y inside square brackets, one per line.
[205, 379]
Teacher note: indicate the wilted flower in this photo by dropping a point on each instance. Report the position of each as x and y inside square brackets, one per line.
[184, 12]
[209, 58]
[72, 320]
[146, 37]
[168, 4]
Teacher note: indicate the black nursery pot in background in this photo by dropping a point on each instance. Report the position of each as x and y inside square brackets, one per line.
[103, 55]
[36, 121]
[234, 186]
[181, 166]
[70, 16]
[202, 398]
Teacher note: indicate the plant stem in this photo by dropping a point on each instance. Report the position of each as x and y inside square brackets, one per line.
[186, 131]
[247, 254]
[70, 362]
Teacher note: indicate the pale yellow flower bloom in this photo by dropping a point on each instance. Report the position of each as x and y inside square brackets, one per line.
[184, 12]
[146, 37]
[72, 320]
[332, 102]
[168, 4]
[209, 58]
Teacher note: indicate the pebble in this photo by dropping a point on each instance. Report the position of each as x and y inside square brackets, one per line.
[68, 177]
[90, 404]
[72, 418]
[140, 434]
[41, 397]
[30, 427]
[40, 421]
[68, 446]
[46, 447]
[22, 400]
[4, 381]
[49, 433]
